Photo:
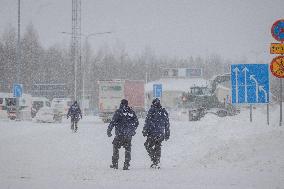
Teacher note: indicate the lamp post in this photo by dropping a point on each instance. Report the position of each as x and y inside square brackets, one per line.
[18, 57]
[85, 62]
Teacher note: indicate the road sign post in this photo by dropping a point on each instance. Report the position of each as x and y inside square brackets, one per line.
[267, 108]
[250, 113]
[277, 30]
[17, 92]
[157, 90]
[280, 121]
[277, 64]
[250, 84]
[277, 48]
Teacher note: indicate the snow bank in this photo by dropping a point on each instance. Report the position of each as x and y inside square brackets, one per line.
[228, 152]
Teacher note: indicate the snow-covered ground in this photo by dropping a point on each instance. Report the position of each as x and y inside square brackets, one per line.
[215, 152]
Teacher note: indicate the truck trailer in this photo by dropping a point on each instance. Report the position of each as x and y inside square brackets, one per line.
[111, 92]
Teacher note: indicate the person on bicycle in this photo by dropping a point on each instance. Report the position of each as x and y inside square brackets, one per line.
[75, 113]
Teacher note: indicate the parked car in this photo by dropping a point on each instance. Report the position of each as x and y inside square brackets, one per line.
[45, 115]
[38, 103]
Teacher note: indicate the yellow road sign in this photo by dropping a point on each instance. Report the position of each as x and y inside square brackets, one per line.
[277, 66]
[277, 48]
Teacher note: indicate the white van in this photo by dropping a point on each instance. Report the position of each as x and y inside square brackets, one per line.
[38, 103]
[61, 105]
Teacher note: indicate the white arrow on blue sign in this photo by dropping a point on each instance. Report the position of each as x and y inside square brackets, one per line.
[250, 83]
[157, 90]
[17, 90]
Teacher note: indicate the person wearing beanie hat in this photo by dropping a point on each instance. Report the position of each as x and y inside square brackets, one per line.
[156, 102]
[123, 102]
[125, 122]
[156, 129]
[75, 113]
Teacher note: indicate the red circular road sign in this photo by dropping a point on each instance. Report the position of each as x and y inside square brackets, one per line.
[277, 30]
[277, 66]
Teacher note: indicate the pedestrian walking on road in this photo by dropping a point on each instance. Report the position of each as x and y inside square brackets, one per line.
[75, 113]
[156, 129]
[125, 122]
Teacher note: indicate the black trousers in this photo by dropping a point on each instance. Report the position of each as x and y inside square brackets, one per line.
[153, 146]
[118, 142]
[74, 124]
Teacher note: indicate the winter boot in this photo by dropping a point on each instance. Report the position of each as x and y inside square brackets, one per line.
[76, 128]
[126, 166]
[114, 166]
[155, 166]
[72, 126]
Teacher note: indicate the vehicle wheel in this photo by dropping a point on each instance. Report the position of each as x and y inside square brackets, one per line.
[190, 116]
[222, 113]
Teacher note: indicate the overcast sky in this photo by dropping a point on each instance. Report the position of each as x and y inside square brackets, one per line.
[174, 28]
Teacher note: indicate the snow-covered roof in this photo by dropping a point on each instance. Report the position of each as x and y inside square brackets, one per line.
[176, 84]
[223, 87]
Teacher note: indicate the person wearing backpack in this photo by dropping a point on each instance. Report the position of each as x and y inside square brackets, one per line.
[125, 122]
[156, 129]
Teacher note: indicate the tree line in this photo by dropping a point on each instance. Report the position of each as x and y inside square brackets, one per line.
[54, 65]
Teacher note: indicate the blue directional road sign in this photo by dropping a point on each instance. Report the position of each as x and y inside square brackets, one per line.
[17, 90]
[250, 83]
[157, 90]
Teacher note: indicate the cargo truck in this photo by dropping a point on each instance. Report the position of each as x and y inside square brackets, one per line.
[111, 92]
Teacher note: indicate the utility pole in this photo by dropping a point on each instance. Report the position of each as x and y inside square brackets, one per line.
[76, 42]
[82, 64]
[18, 57]
[280, 122]
[86, 64]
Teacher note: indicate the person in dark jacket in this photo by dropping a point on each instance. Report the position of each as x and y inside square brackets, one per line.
[75, 113]
[156, 129]
[125, 122]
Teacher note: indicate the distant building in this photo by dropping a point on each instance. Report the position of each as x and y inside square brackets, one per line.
[182, 73]
[50, 91]
[172, 89]
[175, 81]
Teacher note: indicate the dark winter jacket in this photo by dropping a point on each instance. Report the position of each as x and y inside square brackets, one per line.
[157, 123]
[125, 122]
[74, 112]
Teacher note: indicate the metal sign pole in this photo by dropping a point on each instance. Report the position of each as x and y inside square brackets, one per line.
[250, 113]
[276, 31]
[267, 113]
[280, 122]
[18, 59]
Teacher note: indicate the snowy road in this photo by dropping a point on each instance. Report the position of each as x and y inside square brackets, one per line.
[216, 153]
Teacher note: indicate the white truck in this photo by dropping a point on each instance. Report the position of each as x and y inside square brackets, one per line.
[111, 92]
[60, 107]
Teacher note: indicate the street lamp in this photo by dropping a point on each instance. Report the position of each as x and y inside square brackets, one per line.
[85, 63]
[18, 57]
